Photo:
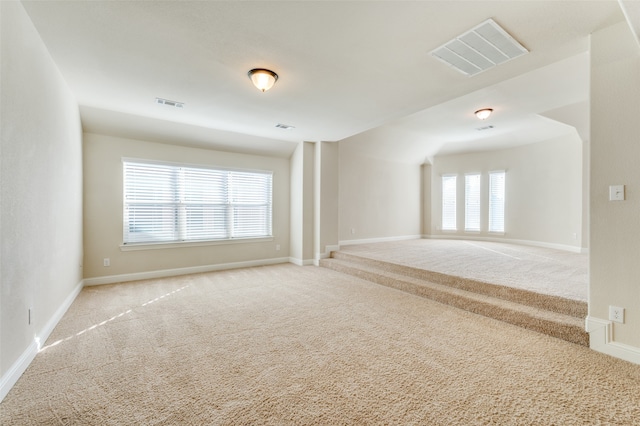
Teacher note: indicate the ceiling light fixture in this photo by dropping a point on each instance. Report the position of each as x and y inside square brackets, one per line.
[262, 78]
[483, 113]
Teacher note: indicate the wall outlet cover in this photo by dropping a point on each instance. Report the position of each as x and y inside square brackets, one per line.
[616, 314]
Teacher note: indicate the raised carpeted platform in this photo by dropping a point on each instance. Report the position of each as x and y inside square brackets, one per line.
[550, 314]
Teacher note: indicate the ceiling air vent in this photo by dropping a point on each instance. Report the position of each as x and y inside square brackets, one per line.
[484, 128]
[284, 126]
[167, 102]
[479, 49]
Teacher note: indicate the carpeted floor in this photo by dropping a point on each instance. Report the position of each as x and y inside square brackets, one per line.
[538, 269]
[284, 344]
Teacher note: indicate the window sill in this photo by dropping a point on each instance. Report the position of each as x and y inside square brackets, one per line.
[181, 244]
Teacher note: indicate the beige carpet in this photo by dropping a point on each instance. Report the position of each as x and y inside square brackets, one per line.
[283, 345]
[538, 269]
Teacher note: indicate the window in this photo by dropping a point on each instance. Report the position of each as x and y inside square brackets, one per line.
[496, 201]
[449, 203]
[172, 203]
[472, 202]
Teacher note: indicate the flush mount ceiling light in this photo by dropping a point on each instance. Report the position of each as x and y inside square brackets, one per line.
[262, 78]
[483, 113]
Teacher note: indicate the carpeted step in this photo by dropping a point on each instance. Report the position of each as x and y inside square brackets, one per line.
[554, 324]
[552, 303]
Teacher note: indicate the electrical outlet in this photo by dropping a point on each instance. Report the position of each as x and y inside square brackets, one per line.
[277, 247]
[616, 314]
[106, 262]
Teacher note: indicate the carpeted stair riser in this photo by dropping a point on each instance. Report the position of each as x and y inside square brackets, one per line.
[569, 330]
[573, 308]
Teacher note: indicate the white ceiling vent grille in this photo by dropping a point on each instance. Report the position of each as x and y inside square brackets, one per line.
[479, 49]
[167, 102]
[284, 126]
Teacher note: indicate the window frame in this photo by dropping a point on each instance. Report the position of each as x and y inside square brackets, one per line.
[180, 210]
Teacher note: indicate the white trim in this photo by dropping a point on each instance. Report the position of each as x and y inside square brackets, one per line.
[22, 363]
[379, 240]
[162, 273]
[564, 247]
[301, 262]
[601, 340]
[15, 371]
[327, 252]
[180, 244]
[57, 316]
[192, 165]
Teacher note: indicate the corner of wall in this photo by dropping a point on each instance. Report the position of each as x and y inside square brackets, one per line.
[601, 340]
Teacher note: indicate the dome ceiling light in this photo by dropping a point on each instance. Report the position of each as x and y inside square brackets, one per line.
[483, 113]
[262, 78]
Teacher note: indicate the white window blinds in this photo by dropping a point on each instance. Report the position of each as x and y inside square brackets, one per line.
[496, 201]
[168, 203]
[472, 202]
[449, 203]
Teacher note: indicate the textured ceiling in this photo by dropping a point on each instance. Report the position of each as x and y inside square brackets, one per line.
[356, 69]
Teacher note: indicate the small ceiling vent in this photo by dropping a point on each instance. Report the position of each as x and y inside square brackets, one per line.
[479, 49]
[167, 102]
[484, 128]
[284, 126]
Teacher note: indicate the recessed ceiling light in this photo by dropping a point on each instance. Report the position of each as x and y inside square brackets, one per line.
[284, 126]
[167, 102]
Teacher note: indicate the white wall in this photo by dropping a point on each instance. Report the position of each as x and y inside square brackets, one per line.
[302, 200]
[378, 199]
[544, 190]
[104, 203]
[427, 172]
[40, 193]
[326, 199]
[615, 153]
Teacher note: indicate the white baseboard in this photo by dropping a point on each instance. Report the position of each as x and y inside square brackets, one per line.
[301, 262]
[379, 240]
[15, 371]
[22, 363]
[57, 316]
[327, 252]
[162, 273]
[573, 249]
[601, 340]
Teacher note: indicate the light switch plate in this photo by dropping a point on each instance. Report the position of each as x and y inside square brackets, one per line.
[616, 193]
